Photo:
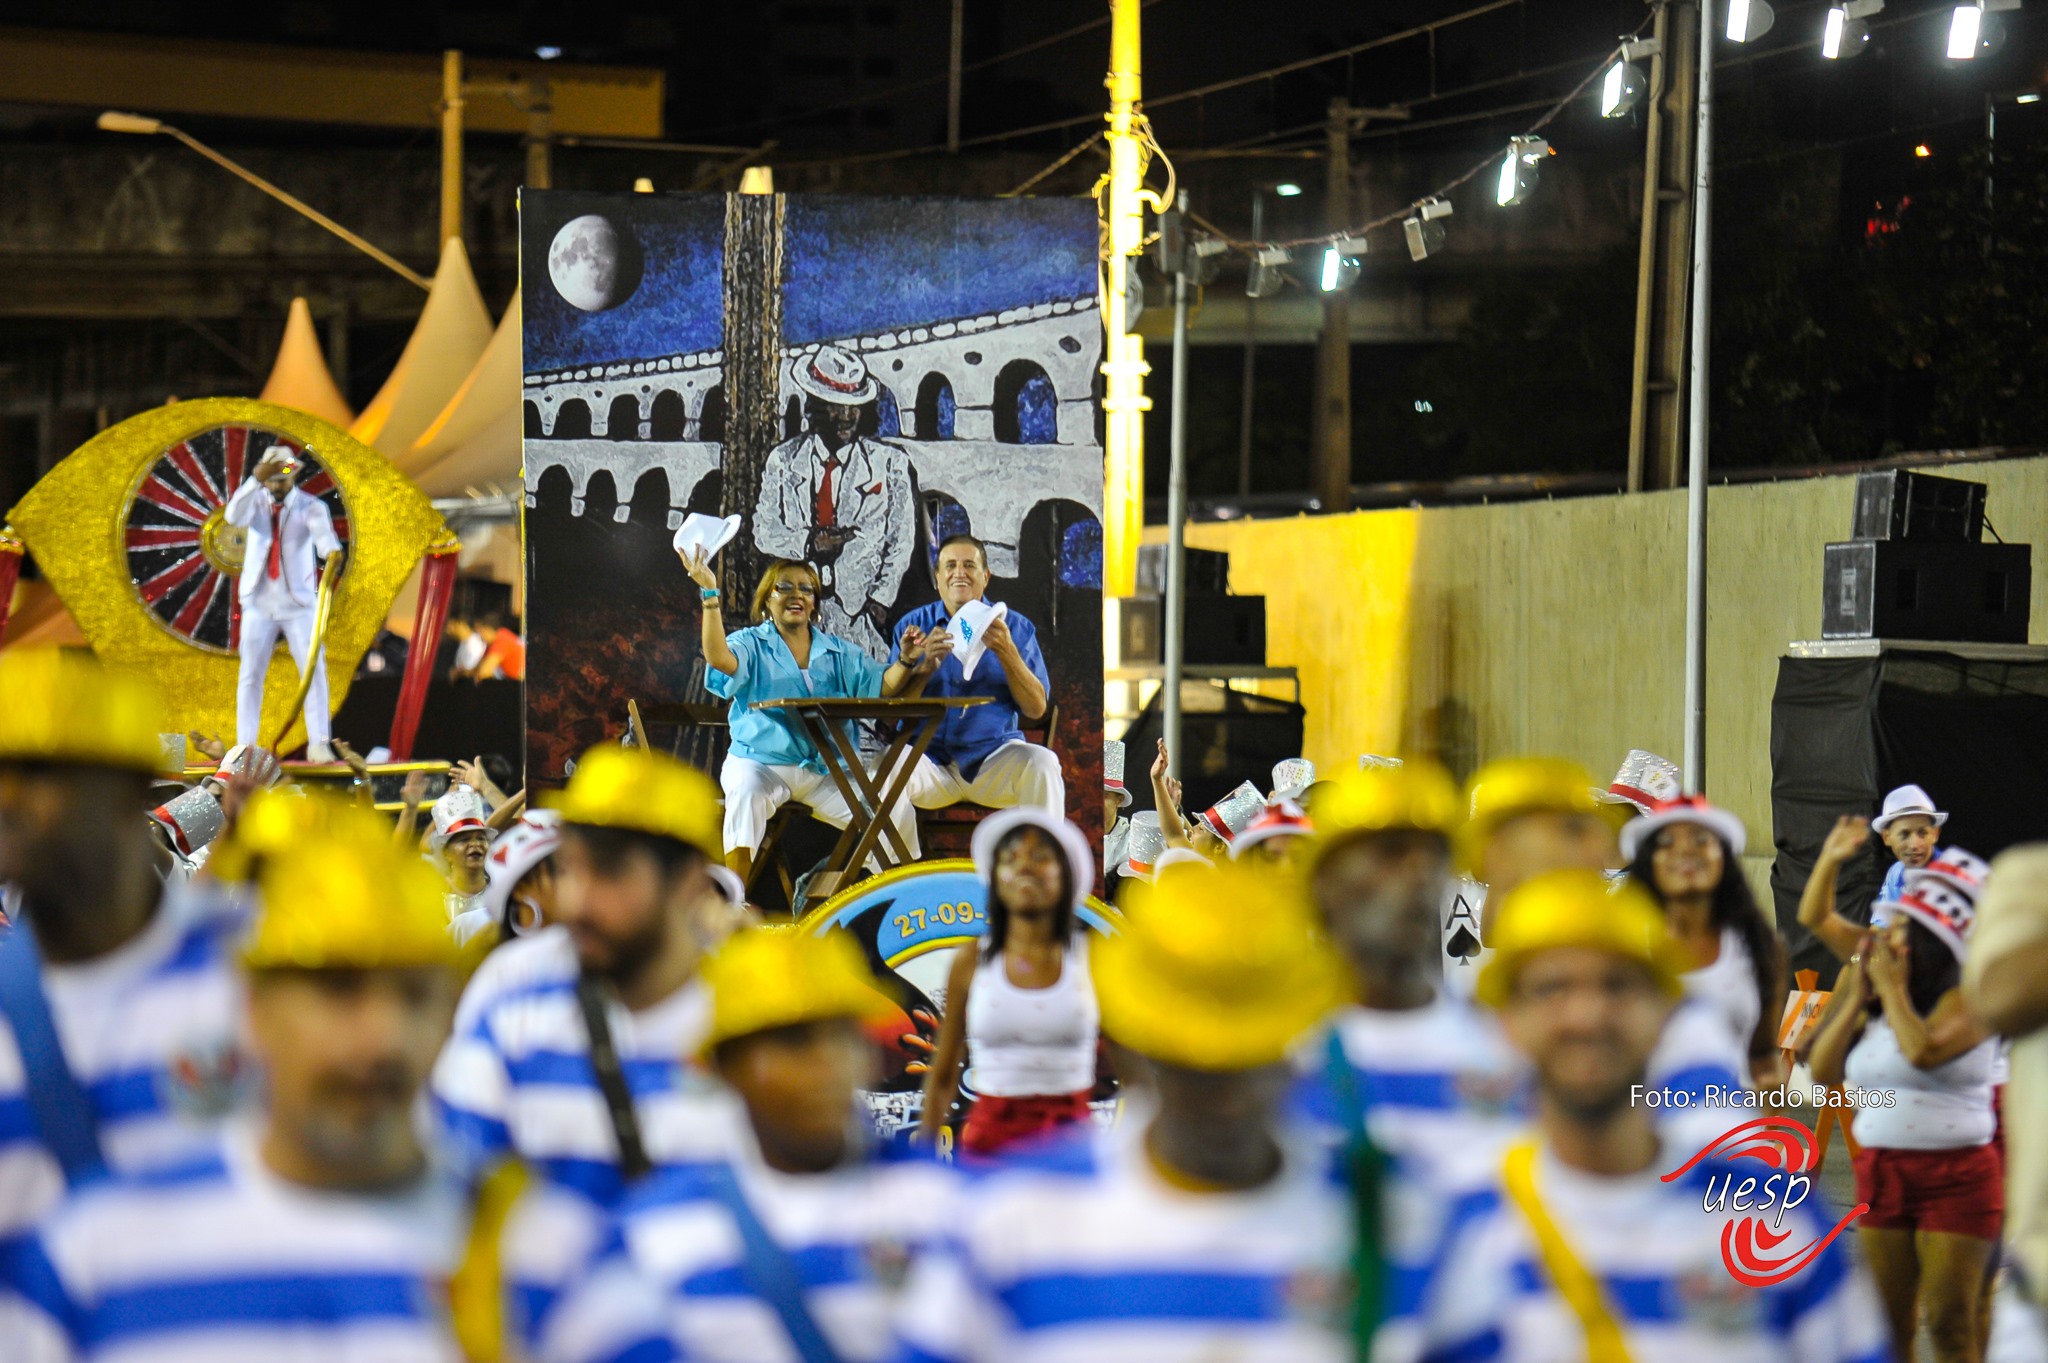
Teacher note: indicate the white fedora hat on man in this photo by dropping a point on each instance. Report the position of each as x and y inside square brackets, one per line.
[1904, 801]
[836, 376]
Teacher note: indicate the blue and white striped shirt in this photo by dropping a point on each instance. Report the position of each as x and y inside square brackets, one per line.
[222, 1261]
[1428, 1083]
[515, 1079]
[150, 1032]
[665, 1278]
[1657, 1252]
[1082, 1252]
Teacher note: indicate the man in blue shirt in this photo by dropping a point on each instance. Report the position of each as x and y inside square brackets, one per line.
[980, 753]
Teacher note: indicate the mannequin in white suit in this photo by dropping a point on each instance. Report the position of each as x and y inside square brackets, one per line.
[841, 501]
[289, 535]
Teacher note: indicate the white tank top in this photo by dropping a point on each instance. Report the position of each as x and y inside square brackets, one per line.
[1026, 1042]
[1945, 1108]
[1728, 988]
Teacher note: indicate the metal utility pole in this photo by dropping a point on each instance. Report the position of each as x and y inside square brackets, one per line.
[451, 145]
[1698, 401]
[1174, 608]
[953, 77]
[1251, 352]
[1330, 460]
[1123, 362]
[1657, 394]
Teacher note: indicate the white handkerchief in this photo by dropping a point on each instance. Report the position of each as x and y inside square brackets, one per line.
[970, 630]
[709, 533]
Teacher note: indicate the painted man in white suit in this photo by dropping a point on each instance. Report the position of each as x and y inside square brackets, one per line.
[841, 501]
[289, 535]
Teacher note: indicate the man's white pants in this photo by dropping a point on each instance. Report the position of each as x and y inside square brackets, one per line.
[755, 790]
[1018, 773]
[259, 638]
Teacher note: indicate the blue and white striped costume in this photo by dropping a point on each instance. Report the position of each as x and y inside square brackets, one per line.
[1431, 1084]
[221, 1261]
[1657, 1252]
[149, 1030]
[1696, 1055]
[664, 1279]
[1081, 1252]
[516, 1080]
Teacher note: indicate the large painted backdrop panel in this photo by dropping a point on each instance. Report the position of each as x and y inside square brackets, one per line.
[663, 339]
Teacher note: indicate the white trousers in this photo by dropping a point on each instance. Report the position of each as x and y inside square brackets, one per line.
[1018, 773]
[259, 638]
[755, 790]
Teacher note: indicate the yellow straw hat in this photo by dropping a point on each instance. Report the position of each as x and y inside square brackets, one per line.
[643, 792]
[61, 706]
[1214, 969]
[764, 978]
[1577, 909]
[278, 821]
[1514, 786]
[344, 899]
[1418, 795]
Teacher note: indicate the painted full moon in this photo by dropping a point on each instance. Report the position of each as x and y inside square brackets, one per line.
[584, 264]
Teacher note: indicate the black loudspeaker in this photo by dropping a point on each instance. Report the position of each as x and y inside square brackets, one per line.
[1894, 504]
[1844, 731]
[1208, 571]
[1916, 589]
[1219, 630]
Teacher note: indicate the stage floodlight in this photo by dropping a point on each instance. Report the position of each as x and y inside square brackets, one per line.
[1205, 261]
[1287, 189]
[1340, 270]
[1963, 28]
[1518, 170]
[1265, 276]
[1424, 230]
[1845, 33]
[1749, 20]
[1621, 89]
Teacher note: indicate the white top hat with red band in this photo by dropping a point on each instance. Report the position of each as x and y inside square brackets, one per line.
[1942, 909]
[461, 810]
[520, 848]
[1684, 809]
[1645, 780]
[1279, 819]
[1234, 813]
[836, 376]
[1955, 867]
[1113, 772]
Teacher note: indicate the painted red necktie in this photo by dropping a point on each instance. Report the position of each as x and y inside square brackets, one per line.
[826, 513]
[275, 568]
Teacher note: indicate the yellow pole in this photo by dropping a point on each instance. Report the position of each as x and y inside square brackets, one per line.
[1123, 367]
[451, 145]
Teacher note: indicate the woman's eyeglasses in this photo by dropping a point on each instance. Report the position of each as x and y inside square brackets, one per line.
[796, 589]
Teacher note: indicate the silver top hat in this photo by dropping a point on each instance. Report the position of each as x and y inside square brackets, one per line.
[191, 820]
[1369, 761]
[1113, 771]
[1645, 779]
[1233, 813]
[1147, 841]
[1292, 777]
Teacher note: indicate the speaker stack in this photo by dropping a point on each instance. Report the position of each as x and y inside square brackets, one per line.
[1916, 567]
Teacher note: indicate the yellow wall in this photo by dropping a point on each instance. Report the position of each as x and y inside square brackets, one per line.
[1559, 626]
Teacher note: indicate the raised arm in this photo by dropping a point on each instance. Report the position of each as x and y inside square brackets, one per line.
[1817, 902]
[1023, 669]
[942, 1085]
[1926, 1042]
[918, 655]
[1841, 1027]
[1166, 799]
[717, 652]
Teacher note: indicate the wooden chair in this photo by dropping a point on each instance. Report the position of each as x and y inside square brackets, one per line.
[689, 715]
[952, 827]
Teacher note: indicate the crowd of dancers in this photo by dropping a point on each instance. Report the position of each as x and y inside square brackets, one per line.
[553, 1092]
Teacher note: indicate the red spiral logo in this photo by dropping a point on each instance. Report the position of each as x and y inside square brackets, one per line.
[1777, 1141]
[1749, 1247]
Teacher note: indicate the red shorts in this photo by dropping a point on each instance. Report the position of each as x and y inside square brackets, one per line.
[993, 1123]
[1956, 1192]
